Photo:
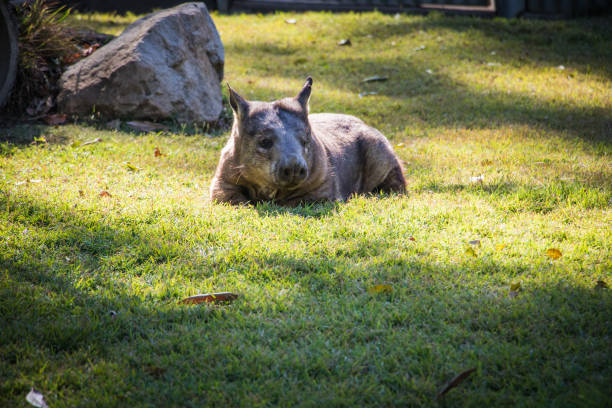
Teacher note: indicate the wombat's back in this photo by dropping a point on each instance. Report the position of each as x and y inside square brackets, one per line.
[361, 157]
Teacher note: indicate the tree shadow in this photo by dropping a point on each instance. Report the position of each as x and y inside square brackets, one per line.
[326, 329]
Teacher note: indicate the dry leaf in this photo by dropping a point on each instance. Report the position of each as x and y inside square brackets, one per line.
[345, 42]
[81, 193]
[553, 253]
[145, 126]
[362, 94]
[157, 152]
[601, 285]
[486, 162]
[105, 193]
[55, 119]
[412, 239]
[36, 399]
[456, 381]
[380, 289]
[131, 167]
[470, 251]
[210, 298]
[98, 140]
[475, 242]
[499, 247]
[477, 179]
[375, 78]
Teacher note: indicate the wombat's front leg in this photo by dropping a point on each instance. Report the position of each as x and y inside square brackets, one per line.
[224, 192]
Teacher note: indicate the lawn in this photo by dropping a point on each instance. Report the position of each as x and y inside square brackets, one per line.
[505, 128]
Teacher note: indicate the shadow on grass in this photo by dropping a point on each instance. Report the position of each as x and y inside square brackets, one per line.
[328, 341]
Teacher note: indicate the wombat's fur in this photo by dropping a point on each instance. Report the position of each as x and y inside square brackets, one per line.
[278, 152]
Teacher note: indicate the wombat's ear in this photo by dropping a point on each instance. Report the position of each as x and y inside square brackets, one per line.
[238, 103]
[304, 94]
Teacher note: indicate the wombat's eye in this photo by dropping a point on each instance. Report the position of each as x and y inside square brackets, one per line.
[265, 143]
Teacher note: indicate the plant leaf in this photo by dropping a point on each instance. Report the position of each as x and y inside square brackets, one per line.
[515, 286]
[55, 119]
[375, 78]
[553, 253]
[105, 193]
[157, 152]
[36, 399]
[210, 298]
[380, 289]
[456, 381]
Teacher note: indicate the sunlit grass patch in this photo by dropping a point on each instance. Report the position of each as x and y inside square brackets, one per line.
[514, 158]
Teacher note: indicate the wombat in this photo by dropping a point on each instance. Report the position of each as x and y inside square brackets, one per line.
[278, 152]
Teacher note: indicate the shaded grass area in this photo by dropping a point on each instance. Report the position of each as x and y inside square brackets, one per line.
[306, 330]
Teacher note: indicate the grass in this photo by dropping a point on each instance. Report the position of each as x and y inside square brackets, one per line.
[306, 330]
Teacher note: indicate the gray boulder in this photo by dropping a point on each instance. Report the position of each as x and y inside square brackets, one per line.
[166, 65]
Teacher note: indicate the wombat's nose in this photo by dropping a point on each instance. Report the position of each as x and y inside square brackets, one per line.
[292, 171]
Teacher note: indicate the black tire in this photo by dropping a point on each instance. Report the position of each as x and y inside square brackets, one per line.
[8, 52]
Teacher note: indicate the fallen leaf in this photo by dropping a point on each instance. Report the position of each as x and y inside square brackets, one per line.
[470, 251]
[486, 162]
[209, 298]
[131, 167]
[113, 124]
[145, 126]
[97, 140]
[81, 193]
[345, 42]
[475, 242]
[499, 247]
[36, 399]
[291, 21]
[362, 94]
[515, 286]
[157, 152]
[55, 119]
[412, 239]
[477, 179]
[375, 78]
[380, 289]
[601, 285]
[553, 253]
[105, 193]
[456, 381]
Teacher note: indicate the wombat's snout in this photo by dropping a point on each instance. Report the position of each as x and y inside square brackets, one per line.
[292, 171]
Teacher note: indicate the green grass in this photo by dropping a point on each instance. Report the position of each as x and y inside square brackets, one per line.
[306, 331]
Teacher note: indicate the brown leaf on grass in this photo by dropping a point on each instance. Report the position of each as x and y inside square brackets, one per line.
[97, 140]
[105, 193]
[486, 162]
[145, 126]
[158, 152]
[456, 381]
[412, 239]
[601, 285]
[55, 119]
[81, 193]
[209, 298]
[380, 289]
[36, 399]
[553, 253]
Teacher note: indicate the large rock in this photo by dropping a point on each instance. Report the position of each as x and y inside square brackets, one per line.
[166, 65]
